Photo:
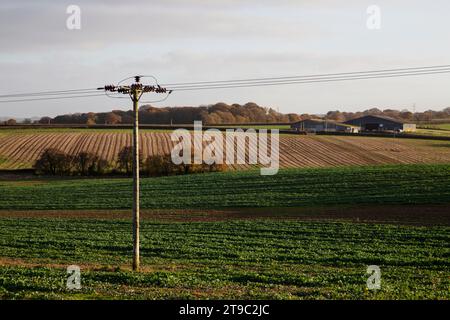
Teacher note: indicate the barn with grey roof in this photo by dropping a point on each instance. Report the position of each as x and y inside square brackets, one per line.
[381, 123]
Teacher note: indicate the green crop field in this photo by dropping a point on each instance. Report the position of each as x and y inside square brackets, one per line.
[438, 126]
[232, 259]
[397, 184]
[440, 129]
[432, 132]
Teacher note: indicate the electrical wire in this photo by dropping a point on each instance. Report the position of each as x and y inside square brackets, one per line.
[53, 98]
[108, 94]
[44, 93]
[155, 101]
[125, 79]
[300, 81]
[150, 76]
[240, 83]
[141, 76]
[400, 70]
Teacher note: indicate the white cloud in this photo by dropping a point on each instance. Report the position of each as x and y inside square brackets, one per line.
[189, 40]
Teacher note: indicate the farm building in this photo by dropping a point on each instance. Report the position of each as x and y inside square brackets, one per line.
[381, 123]
[318, 125]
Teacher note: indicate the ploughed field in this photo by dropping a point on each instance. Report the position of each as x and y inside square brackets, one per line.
[19, 149]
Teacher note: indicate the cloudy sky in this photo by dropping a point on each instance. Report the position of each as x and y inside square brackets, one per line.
[198, 40]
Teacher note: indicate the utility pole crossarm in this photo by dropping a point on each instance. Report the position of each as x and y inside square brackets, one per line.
[135, 91]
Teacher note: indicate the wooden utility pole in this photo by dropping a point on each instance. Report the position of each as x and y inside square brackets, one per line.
[136, 94]
[135, 91]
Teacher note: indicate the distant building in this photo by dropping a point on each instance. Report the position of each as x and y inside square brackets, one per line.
[381, 123]
[318, 125]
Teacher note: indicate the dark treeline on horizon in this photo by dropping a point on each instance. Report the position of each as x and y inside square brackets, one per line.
[222, 113]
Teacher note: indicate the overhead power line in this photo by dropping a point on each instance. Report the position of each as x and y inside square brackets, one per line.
[54, 98]
[239, 83]
[401, 70]
[306, 81]
[308, 78]
[44, 93]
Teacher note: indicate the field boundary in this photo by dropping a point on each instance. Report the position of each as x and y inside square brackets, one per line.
[385, 135]
[419, 215]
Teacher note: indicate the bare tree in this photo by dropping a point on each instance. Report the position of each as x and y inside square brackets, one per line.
[125, 159]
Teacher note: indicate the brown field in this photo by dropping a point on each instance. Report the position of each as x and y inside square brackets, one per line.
[20, 150]
[419, 215]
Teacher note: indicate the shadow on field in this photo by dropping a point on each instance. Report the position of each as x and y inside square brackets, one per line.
[425, 215]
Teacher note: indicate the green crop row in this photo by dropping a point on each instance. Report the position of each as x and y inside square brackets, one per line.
[398, 184]
[247, 259]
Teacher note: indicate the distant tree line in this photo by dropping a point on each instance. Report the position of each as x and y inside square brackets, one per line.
[219, 113]
[403, 115]
[222, 113]
[58, 163]
[10, 122]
